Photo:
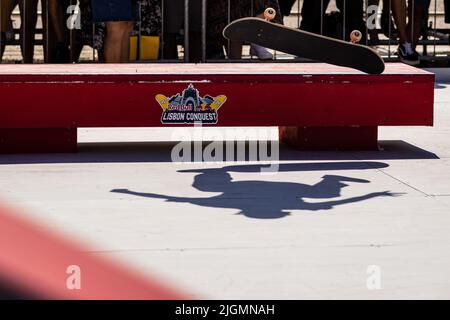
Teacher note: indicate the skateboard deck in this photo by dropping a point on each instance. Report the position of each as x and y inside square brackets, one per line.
[305, 44]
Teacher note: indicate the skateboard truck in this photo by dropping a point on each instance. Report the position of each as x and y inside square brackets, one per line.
[270, 14]
[355, 36]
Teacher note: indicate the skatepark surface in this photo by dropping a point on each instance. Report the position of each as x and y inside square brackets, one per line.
[315, 229]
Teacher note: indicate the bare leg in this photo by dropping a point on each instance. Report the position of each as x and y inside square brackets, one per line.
[406, 51]
[57, 19]
[399, 13]
[117, 41]
[125, 56]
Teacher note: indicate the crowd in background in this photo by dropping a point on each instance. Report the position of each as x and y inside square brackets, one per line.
[115, 21]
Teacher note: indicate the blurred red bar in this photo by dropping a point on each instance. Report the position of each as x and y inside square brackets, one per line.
[34, 263]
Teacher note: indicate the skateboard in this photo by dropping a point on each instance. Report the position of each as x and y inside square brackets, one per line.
[305, 44]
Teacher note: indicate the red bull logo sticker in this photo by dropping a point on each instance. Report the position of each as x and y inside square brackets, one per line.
[190, 107]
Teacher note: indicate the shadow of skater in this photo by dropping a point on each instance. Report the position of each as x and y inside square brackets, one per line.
[264, 199]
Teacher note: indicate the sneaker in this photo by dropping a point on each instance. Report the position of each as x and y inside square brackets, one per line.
[407, 54]
[260, 52]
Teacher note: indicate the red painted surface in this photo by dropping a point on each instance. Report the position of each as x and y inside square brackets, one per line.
[330, 138]
[38, 140]
[273, 94]
[34, 261]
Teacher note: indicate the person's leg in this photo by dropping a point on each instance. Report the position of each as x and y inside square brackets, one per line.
[399, 13]
[386, 6]
[286, 7]
[416, 12]
[312, 11]
[415, 15]
[352, 17]
[170, 50]
[308, 13]
[447, 11]
[405, 51]
[74, 37]
[173, 23]
[387, 24]
[2, 45]
[239, 10]
[372, 31]
[28, 14]
[216, 20]
[48, 36]
[57, 19]
[116, 32]
[119, 16]
[61, 52]
[195, 31]
[195, 46]
[125, 55]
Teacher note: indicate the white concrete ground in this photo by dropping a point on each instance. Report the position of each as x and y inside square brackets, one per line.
[256, 236]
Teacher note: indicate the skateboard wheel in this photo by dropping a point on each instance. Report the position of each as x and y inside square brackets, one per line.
[355, 36]
[269, 14]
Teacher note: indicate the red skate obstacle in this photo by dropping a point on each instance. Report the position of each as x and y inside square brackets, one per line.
[316, 106]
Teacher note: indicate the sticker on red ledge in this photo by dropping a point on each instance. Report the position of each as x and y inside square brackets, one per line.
[190, 107]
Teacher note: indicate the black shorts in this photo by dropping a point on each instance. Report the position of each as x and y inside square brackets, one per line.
[115, 10]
